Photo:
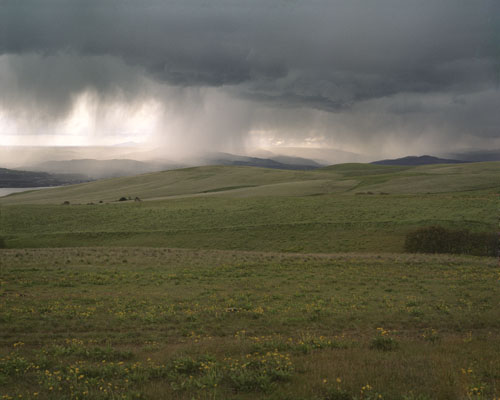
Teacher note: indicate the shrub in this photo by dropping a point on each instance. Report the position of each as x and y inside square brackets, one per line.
[2, 243]
[123, 199]
[437, 239]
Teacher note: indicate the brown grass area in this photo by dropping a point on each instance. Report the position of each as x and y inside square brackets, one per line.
[182, 324]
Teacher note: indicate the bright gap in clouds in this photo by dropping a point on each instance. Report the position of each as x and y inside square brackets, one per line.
[89, 123]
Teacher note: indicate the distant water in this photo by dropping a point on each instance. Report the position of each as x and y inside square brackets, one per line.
[6, 191]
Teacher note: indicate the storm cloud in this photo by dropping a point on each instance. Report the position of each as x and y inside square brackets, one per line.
[350, 74]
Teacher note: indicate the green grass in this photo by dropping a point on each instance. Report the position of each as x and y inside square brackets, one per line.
[182, 182]
[348, 207]
[235, 207]
[327, 223]
[162, 323]
[249, 182]
[261, 298]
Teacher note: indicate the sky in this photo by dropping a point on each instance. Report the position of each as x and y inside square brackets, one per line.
[382, 78]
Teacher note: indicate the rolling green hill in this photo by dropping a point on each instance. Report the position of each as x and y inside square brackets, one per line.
[349, 207]
[249, 181]
[188, 181]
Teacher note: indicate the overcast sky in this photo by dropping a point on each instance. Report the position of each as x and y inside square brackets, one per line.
[383, 78]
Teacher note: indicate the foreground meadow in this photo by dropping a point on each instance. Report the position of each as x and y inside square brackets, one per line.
[157, 323]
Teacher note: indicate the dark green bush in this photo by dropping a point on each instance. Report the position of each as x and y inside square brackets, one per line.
[2, 243]
[437, 239]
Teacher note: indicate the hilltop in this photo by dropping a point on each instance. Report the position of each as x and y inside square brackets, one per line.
[418, 160]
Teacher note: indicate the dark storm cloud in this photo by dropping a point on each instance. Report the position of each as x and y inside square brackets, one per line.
[328, 54]
[47, 85]
[413, 67]
[188, 43]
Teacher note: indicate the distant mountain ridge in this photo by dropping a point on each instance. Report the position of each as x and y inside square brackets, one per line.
[10, 178]
[275, 162]
[418, 160]
[91, 169]
[100, 169]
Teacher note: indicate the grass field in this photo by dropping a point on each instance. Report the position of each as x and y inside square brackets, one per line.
[248, 283]
[326, 223]
[251, 182]
[247, 208]
[160, 323]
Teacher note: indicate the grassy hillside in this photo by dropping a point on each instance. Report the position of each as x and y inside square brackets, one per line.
[250, 181]
[188, 181]
[243, 208]
[161, 323]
